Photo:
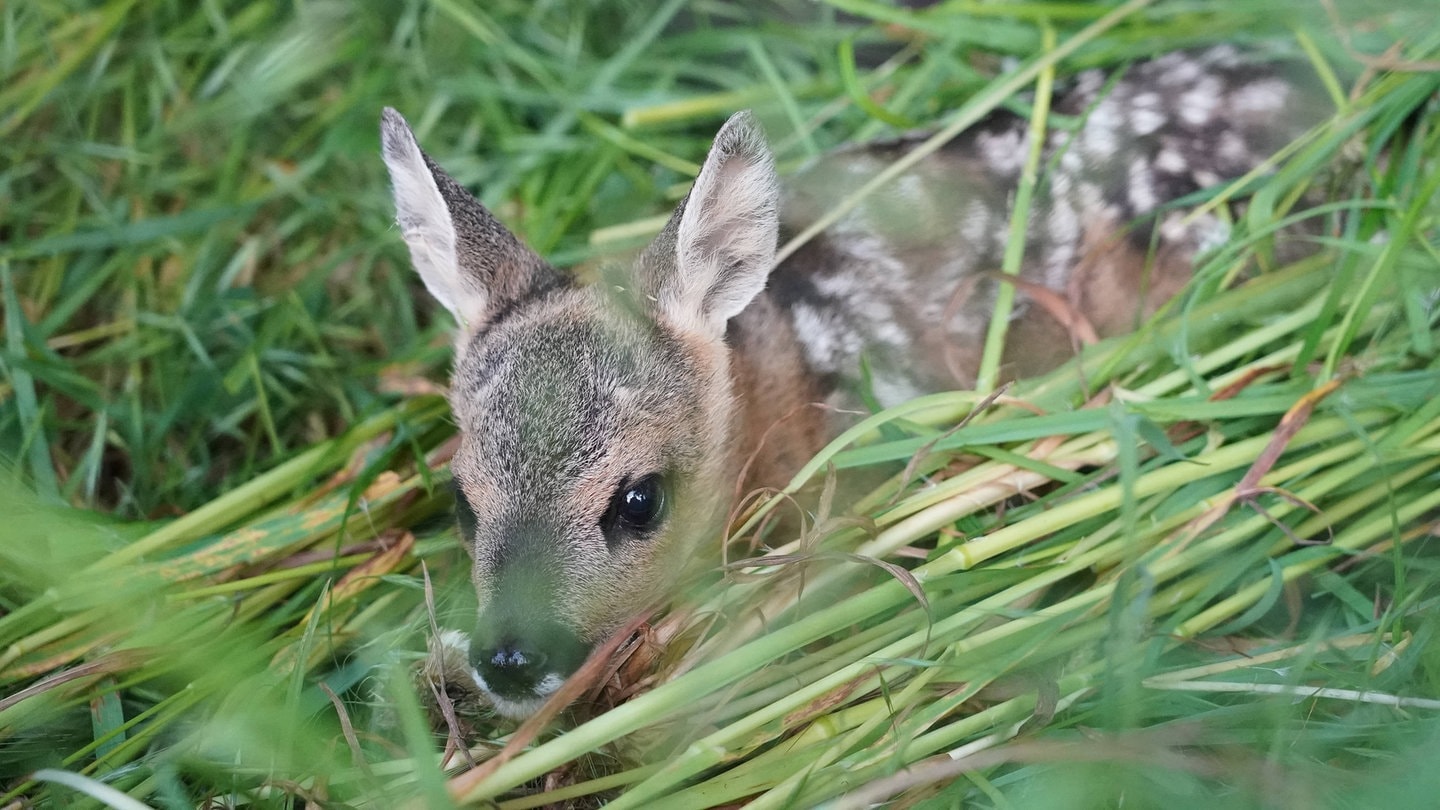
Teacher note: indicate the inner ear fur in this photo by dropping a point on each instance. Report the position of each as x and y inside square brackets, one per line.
[715, 253]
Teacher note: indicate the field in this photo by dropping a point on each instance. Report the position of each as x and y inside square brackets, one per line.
[1195, 567]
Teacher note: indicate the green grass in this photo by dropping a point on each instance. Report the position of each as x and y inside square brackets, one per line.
[210, 329]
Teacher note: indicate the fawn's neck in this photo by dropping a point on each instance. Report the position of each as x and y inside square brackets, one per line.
[780, 418]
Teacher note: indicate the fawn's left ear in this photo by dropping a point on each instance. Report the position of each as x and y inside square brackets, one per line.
[714, 255]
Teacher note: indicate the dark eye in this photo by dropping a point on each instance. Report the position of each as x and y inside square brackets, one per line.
[636, 507]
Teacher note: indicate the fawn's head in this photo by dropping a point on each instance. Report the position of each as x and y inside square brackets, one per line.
[596, 419]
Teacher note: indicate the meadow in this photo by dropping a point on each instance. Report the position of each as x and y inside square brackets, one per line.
[1191, 568]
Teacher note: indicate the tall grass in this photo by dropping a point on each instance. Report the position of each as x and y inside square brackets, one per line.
[1194, 567]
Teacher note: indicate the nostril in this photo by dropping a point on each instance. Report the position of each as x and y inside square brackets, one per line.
[508, 657]
[511, 657]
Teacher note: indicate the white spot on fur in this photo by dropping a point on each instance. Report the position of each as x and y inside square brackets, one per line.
[1146, 121]
[1089, 82]
[1211, 233]
[1003, 152]
[1223, 56]
[1099, 138]
[1232, 148]
[1063, 225]
[863, 292]
[886, 330]
[1266, 95]
[1091, 199]
[1141, 186]
[1061, 185]
[846, 287]
[1184, 72]
[893, 389]
[882, 268]
[1173, 228]
[823, 344]
[1063, 229]
[1168, 160]
[977, 223]
[1197, 105]
[910, 188]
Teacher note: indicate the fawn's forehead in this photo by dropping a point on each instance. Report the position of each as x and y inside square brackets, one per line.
[547, 391]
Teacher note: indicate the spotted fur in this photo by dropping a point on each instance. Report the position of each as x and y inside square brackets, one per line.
[569, 397]
[907, 279]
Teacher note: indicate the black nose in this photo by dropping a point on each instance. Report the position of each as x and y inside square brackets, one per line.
[510, 669]
[514, 657]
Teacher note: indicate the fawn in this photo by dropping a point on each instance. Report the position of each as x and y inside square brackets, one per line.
[603, 426]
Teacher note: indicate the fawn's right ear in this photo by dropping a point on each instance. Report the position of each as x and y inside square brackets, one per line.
[714, 255]
[467, 259]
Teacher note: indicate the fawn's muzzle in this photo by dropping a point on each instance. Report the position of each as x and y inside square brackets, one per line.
[525, 663]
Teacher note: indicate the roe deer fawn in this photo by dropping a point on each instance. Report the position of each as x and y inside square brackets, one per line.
[603, 425]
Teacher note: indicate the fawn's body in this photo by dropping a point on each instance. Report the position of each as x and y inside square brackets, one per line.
[603, 426]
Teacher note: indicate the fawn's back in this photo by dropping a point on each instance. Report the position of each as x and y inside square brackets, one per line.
[603, 426]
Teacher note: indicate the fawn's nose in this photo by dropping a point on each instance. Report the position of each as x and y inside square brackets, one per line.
[510, 669]
[525, 660]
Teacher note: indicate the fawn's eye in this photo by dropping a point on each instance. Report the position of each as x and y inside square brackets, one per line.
[636, 507]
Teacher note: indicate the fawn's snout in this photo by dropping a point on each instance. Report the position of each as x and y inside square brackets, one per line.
[524, 646]
[521, 664]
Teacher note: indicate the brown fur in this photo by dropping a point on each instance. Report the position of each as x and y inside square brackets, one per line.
[779, 427]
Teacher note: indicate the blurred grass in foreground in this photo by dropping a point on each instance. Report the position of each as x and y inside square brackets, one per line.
[206, 311]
